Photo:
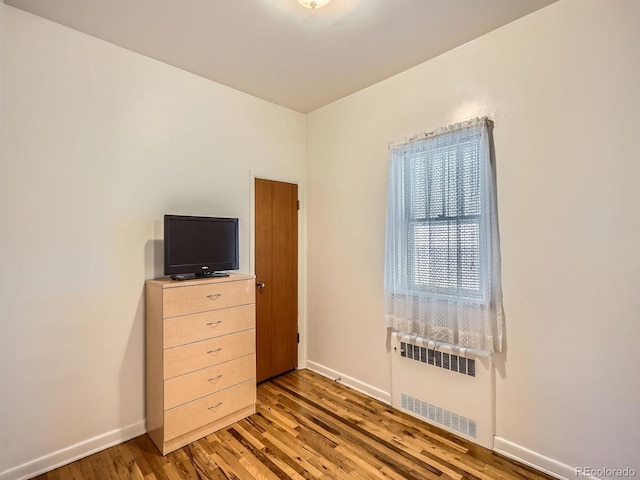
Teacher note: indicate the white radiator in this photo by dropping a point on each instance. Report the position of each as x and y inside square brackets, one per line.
[450, 387]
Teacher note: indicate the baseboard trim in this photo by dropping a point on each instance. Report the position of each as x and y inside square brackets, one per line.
[74, 452]
[351, 382]
[533, 459]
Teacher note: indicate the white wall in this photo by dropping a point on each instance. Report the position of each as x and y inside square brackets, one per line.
[97, 143]
[563, 87]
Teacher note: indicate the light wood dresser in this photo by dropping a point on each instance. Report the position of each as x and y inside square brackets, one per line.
[201, 362]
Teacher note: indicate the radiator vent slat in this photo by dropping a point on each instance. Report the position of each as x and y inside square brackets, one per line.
[455, 363]
[439, 415]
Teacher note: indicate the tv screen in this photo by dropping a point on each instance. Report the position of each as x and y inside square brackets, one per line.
[200, 245]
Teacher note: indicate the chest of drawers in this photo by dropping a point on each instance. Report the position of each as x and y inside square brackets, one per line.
[200, 354]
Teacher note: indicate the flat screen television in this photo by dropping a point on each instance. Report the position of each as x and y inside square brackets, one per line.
[200, 246]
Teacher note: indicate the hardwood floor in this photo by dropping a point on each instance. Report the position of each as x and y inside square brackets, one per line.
[307, 427]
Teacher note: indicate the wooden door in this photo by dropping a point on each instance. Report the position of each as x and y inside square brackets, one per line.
[276, 230]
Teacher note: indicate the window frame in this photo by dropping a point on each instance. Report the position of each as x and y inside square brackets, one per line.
[432, 289]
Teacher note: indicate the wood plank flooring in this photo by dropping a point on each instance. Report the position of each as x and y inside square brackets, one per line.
[307, 427]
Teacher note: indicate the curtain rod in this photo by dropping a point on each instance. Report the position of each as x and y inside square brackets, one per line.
[474, 122]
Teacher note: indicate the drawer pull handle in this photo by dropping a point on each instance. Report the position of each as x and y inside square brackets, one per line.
[214, 296]
[214, 324]
[215, 378]
[214, 351]
[215, 406]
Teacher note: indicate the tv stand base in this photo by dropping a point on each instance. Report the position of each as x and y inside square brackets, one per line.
[194, 276]
[211, 274]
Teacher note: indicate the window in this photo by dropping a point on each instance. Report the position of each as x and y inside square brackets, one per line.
[442, 256]
[444, 211]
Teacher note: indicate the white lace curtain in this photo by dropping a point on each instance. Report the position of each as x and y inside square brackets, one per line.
[442, 258]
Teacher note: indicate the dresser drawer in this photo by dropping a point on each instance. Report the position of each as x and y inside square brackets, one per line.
[185, 388]
[183, 419]
[209, 296]
[200, 326]
[194, 356]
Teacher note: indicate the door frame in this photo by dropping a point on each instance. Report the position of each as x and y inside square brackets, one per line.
[302, 250]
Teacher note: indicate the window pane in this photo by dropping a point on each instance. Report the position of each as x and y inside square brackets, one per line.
[432, 249]
[417, 187]
[470, 179]
[445, 255]
[453, 196]
[469, 261]
[437, 171]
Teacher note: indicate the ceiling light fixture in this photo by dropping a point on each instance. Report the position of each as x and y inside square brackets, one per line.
[313, 4]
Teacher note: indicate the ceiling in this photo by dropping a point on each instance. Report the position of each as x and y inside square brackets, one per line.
[281, 51]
